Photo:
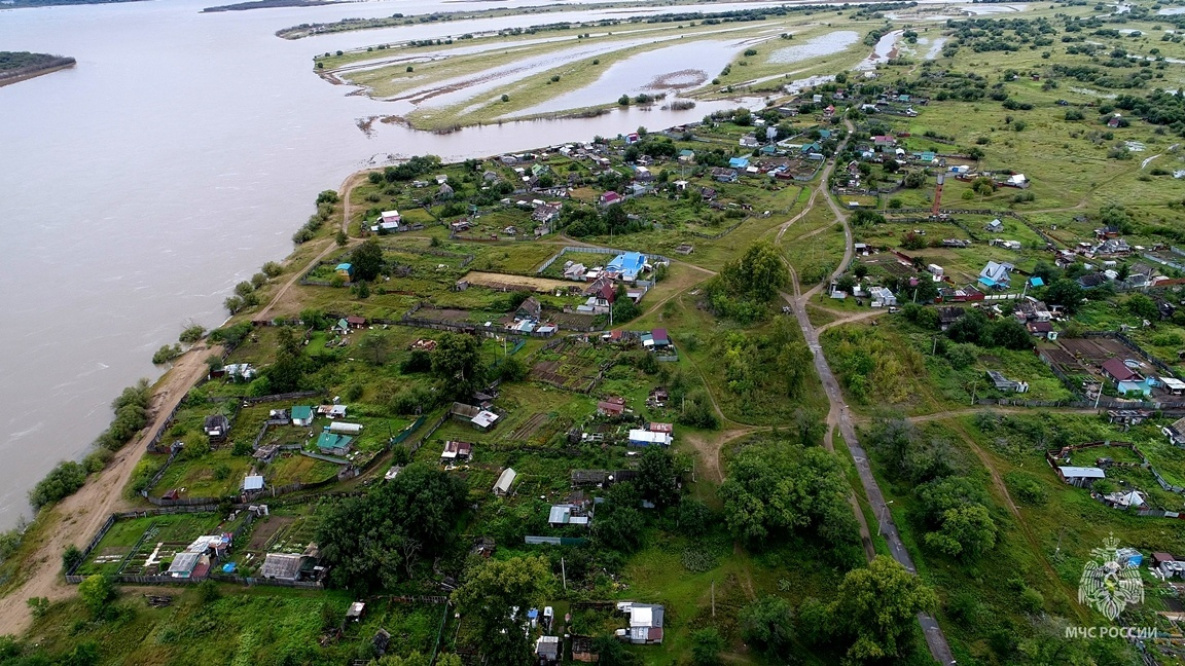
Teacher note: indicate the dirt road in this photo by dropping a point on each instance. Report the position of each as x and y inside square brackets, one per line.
[80, 516]
[344, 194]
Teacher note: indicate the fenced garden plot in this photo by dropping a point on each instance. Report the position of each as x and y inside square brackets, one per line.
[570, 366]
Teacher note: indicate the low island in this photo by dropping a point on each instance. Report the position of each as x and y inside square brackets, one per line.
[20, 65]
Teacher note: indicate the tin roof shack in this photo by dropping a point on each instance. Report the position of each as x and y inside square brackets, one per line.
[645, 623]
[639, 437]
[566, 514]
[547, 650]
[281, 566]
[1080, 477]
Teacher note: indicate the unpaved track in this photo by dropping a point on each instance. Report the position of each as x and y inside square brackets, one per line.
[839, 416]
[81, 515]
[347, 189]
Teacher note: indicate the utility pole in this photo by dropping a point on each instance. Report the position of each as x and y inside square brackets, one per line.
[973, 387]
[713, 598]
[564, 573]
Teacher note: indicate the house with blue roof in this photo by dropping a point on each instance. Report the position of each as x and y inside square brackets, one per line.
[825, 134]
[627, 266]
[739, 163]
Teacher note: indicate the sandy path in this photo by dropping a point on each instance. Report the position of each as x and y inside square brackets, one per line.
[82, 514]
[344, 193]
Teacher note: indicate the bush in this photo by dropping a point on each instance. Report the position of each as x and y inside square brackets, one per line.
[192, 333]
[71, 557]
[272, 269]
[63, 481]
[166, 354]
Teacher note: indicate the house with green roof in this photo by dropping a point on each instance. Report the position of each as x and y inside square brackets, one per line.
[334, 444]
[302, 415]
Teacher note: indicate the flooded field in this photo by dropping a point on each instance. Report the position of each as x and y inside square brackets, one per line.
[664, 70]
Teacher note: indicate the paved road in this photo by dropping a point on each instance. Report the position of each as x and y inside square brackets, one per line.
[935, 639]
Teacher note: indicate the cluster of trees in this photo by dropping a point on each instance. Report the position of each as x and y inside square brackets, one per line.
[871, 617]
[581, 221]
[131, 414]
[63, 481]
[776, 362]
[953, 508]
[746, 285]
[778, 489]
[378, 539]
[871, 366]
[975, 328]
[326, 203]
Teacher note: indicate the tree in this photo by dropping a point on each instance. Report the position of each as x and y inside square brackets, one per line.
[658, 479]
[1009, 333]
[845, 283]
[60, 483]
[777, 488]
[620, 524]
[95, 591]
[291, 364]
[706, 645]
[966, 531]
[491, 589]
[766, 625]
[1066, 293]
[457, 360]
[376, 540]
[875, 608]
[758, 275]
[1142, 307]
[375, 346]
[367, 259]
[71, 557]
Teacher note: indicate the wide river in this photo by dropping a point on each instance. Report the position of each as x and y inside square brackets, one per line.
[178, 156]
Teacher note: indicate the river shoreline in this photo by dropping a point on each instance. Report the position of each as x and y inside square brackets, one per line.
[25, 74]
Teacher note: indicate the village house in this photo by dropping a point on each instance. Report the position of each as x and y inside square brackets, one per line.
[646, 623]
[389, 220]
[334, 444]
[609, 198]
[1042, 329]
[612, 406]
[455, 451]
[723, 175]
[547, 213]
[627, 266]
[996, 275]
[1167, 565]
[574, 272]
[1117, 371]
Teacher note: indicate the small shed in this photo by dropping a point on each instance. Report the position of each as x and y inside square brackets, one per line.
[345, 270]
[1081, 477]
[217, 426]
[505, 481]
[252, 483]
[639, 437]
